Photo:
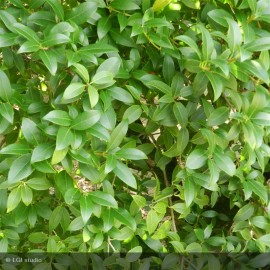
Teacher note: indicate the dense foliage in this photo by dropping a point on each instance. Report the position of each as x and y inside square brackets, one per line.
[135, 126]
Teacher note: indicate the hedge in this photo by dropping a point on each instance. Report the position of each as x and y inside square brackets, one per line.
[135, 127]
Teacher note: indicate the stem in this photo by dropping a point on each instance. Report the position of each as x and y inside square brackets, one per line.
[149, 39]
[170, 201]
[110, 245]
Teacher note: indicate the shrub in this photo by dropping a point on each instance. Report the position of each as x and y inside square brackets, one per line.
[134, 126]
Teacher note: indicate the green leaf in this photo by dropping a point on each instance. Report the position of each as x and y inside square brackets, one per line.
[124, 217]
[58, 155]
[258, 45]
[14, 199]
[196, 159]
[134, 254]
[26, 32]
[54, 39]
[189, 191]
[28, 46]
[6, 110]
[55, 218]
[260, 222]
[181, 144]
[265, 240]
[102, 198]
[117, 135]
[38, 183]
[81, 71]
[258, 188]
[64, 138]
[259, 101]
[224, 163]
[93, 95]
[191, 43]
[98, 48]
[86, 207]
[216, 241]
[234, 35]
[111, 163]
[98, 240]
[194, 248]
[15, 149]
[57, 8]
[218, 116]
[42, 152]
[260, 261]
[7, 39]
[5, 88]
[216, 84]
[161, 40]
[160, 86]
[30, 131]
[58, 117]
[111, 65]
[103, 27]
[132, 113]
[37, 237]
[180, 113]
[121, 95]
[256, 69]
[139, 200]
[220, 16]
[85, 120]
[74, 90]
[261, 118]
[244, 213]
[208, 43]
[124, 174]
[82, 13]
[130, 153]
[103, 79]
[76, 224]
[152, 221]
[26, 195]
[8, 20]
[49, 60]
[4, 245]
[20, 169]
[124, 5]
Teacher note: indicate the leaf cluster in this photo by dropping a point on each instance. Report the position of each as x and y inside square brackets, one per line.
[135, 125]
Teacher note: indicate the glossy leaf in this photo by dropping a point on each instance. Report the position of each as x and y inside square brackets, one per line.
[131, 153]
[58, 117]
[224, 163]
[125, 175]
[81, 13]
[74, 90]
[189, 188]
[117, 135]
[196, 159]
[14, 199]
[244, 213]
[38, 183]
[57, 8]
[20, 169]
[102, 198]
[124, 217]
[218, 116]
[5, 87]
[86, 207]
[49, 60]
[85, 120]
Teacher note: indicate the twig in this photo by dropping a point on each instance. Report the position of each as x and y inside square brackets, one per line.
[170, 202]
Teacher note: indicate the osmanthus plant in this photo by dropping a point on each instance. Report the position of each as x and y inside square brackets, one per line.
[134, 126]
